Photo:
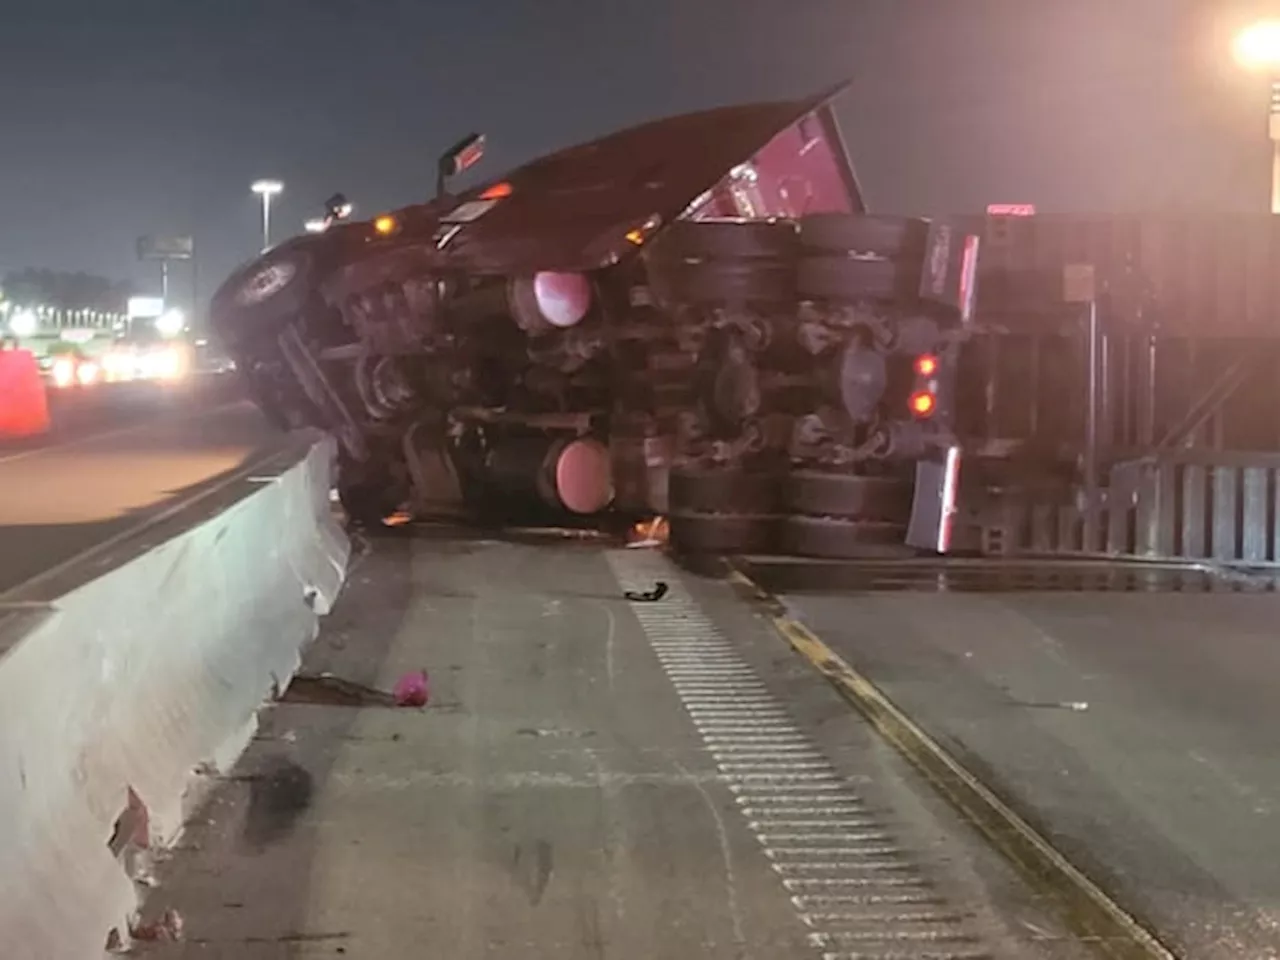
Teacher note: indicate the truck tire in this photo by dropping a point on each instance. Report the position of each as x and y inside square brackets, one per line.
[882, 236]
[729, 491]
[722, 533]
[724, 281]
[840, 277]
[880, 499]
[260, 298]
[726, 240]
[830, 538]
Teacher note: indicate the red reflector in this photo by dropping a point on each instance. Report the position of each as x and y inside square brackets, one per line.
[926, 365]
[922, 403]
[1011, 210]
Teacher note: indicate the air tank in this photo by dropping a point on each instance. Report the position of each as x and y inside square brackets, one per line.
[569, 473]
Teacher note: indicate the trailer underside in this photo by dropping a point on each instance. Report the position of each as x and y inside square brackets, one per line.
[698, 318]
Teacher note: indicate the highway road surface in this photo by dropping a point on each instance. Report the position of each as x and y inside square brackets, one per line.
[601, 778]
[119, 456]
[79, 412]
[592, 778]
[1135, 722]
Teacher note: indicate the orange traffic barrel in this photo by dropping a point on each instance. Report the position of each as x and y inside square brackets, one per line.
[24, 406]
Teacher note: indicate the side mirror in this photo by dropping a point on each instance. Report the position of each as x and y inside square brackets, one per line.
[463, 155]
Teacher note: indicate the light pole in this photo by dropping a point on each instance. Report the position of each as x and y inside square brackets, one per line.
[1257, 48]
[267, 189]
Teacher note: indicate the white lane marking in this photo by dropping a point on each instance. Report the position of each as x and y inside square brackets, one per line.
[839, 865]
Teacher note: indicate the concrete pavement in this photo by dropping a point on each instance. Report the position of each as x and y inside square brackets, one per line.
[589, 780]
[1136, 729]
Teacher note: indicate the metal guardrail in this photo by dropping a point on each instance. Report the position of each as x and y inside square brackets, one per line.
[1216, 507]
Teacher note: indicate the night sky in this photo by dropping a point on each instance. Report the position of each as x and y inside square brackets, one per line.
[124, 117]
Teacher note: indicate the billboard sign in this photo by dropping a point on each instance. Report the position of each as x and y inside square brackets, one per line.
[166, 248]
[145, 308]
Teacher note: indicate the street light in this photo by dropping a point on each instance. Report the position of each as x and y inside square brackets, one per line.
[1257, 48]
[267, 189]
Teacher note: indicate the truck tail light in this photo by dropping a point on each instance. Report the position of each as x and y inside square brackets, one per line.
[926, 365]
[922, 403]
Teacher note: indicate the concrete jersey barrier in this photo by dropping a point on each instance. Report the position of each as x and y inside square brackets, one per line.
[114, 694]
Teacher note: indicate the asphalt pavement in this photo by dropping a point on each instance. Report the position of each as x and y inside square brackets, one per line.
[593, 777]
[1133, 721]
[118, 459]
[81, 411]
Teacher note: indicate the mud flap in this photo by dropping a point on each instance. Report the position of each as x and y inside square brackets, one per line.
[950, 276]
[934, 501]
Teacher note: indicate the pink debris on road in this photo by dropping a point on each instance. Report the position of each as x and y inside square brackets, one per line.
[411, 689]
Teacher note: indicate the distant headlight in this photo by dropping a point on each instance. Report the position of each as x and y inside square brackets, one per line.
[169, 364]
[64, 372]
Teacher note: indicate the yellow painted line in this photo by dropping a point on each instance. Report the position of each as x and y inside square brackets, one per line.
[1086, 909]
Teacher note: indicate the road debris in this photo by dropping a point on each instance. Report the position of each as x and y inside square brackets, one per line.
[411, 689]
[659, 591]
[168, 927]
[649, 534]
[327, 690]
[1079, 706]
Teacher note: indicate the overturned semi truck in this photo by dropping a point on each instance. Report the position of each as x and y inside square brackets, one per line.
[695, 317]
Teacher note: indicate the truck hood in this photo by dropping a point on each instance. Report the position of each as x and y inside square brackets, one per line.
[567, 211]
[573, 209]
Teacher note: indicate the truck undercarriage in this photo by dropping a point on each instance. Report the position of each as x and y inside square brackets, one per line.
[694, 317]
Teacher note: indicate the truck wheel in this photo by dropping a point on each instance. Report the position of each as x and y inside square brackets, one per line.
[693, 532]
[883, 236]
[726, 240]
[840, 277]
[724, 281]
[847, 497]
[263, 296]
[733, 491]
[831, 538]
